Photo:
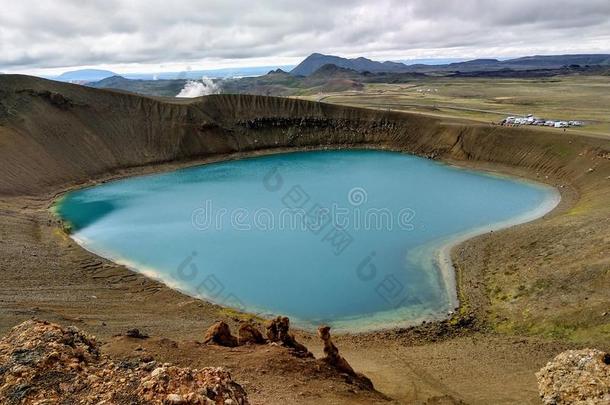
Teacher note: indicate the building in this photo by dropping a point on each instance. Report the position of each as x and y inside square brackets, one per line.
[530, 119]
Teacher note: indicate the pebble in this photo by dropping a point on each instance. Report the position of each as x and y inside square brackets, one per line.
[156, 371]
[174, 399]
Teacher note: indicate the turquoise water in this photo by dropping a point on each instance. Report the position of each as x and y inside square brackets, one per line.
[348, 238]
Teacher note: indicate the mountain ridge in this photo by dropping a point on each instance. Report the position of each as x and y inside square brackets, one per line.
[361, 64]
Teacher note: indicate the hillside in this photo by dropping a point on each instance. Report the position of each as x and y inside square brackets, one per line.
[279, 83]
[326, 73]
[328, 78]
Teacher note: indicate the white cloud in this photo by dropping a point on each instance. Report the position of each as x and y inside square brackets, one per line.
[143, 34]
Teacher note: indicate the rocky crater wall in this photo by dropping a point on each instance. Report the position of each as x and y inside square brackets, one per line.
[53, 134]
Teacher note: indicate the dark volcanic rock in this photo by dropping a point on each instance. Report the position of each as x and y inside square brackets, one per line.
[278, 332]
[56, 99]
[135, 333]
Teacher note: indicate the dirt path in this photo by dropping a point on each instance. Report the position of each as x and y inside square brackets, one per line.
[478, 369]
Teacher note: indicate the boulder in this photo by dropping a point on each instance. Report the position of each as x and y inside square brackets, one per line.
[41, 362]
[210, 385]
[576, 377]
[136, 334]
[248, 333]
[220, 334]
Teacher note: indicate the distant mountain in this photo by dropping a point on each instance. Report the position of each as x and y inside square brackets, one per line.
[166, 88]
[333, 78]
[431, 61]
[531, 62]
[333, 71]
[327, 78]
[84, 75]
[557, 61]
[316, 60]
[113, 82]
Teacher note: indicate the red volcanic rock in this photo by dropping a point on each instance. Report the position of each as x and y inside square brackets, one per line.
[42, 362]
[576, 377]
[332, 353]
[220, 334]
[277, 329]
[248, 333]
[334, 359]
[178, 385]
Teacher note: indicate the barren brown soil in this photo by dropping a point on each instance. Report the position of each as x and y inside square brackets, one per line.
[527, 292]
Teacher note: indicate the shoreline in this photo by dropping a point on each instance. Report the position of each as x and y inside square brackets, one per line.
[356, 325]
[443, 255]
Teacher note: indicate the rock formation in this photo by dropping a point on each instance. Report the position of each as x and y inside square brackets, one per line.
[277, 329]
[576, 377]
[220, 334]
[334, 359]
[331, 352]
[248, 333]
[42, 362]
[278, 332]
[56, 99]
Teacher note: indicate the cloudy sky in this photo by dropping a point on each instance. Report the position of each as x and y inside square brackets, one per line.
[49, 36]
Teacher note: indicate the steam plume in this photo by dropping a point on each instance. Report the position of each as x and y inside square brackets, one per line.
[194, 88]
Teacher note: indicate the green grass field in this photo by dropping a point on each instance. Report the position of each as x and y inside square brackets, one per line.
[585, 98]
